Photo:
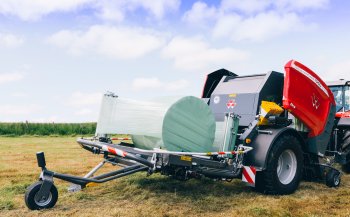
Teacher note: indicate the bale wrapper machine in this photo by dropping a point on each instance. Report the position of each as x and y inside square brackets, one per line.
[278, 130]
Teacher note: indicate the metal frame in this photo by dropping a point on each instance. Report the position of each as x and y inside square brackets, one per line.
[226, 164]
[132, 160]
[47, 176]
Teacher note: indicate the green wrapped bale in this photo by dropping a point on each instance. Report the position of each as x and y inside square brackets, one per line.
[146, 142]
[189, 125]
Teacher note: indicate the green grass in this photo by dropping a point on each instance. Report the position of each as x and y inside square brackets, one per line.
[6, 205]
[139, 195]
[45, 129]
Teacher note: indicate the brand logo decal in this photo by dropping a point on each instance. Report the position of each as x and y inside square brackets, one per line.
[231, 104]
[315, 101]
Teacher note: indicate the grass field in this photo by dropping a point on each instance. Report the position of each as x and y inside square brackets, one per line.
[138, 195]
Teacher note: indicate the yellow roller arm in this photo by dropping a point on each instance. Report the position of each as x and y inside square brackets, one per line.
[268, 109]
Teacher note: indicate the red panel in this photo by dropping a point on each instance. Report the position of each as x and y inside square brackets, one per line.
[307, 97]
[343, 114]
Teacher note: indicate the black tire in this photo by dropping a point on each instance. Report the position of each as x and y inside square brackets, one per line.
[268, 181]
[346, 140]
[33, 204]
[345, 144]
[333, 178]
[346, 168]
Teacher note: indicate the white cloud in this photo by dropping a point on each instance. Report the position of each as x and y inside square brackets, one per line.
[84, 105]
[340, 70]
[19, 109]
[257, 28]
[300, 5]
[35, 9]
[253, 20]
[194, 54]
[19, 94]
[10, 77]
[10, 40]
[159, 7]
[256, 6]
[116, 10]
[111, 10]
[107, 9]
[83, 112]
[115, 42]
[200, 12]
[141, 84]
[246, 6]
[78, 99]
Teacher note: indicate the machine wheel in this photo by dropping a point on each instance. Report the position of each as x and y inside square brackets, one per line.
[346, 168]
[333, 178]
[346, 139]
[345, 145]
[34, 203]
[283, 168]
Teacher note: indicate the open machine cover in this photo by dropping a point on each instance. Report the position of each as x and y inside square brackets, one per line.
[307, 97]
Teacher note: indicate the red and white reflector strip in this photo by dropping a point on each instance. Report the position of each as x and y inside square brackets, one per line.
[121, 138]
[114, 151]
[248, 174]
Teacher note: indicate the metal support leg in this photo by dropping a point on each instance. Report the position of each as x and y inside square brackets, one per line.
[94, 170]
[76, 188]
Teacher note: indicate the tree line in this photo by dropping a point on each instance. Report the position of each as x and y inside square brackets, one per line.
[47, 129]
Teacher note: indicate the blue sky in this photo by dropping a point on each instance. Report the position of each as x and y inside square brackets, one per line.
[58, 57]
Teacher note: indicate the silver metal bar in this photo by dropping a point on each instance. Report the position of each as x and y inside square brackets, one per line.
[161, 151]
[76, 187]
[265, 132]
[227, 120]
[95, 169]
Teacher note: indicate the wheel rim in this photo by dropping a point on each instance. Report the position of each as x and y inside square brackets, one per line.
[286, 167]
[336, 180]
[43, 201]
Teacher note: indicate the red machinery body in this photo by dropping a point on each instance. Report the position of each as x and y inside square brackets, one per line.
[343, 114]
[307, 97]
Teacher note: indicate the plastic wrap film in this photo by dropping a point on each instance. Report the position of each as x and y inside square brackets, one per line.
[219, 135]
[143, 121]
[189, 125]
[134, 117]
[147, 142]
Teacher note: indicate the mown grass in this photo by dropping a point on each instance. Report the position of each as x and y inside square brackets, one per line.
[139, 195]
[45, 129]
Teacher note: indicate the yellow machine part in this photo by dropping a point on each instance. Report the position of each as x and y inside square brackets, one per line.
[267, 109]
[91, 184]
